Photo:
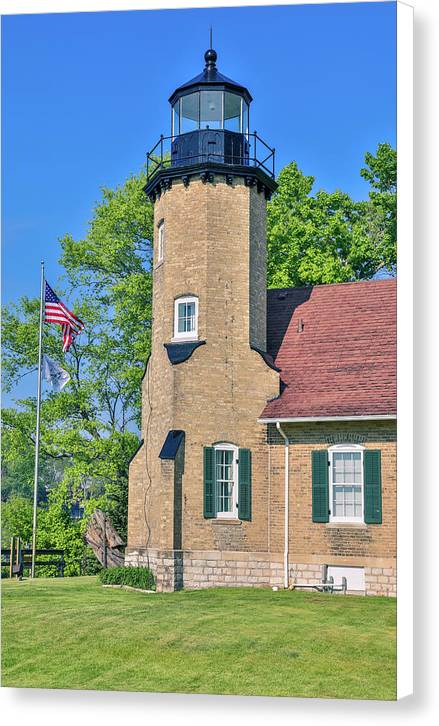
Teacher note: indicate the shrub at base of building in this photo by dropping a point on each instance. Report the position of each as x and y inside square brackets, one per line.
[139, 577]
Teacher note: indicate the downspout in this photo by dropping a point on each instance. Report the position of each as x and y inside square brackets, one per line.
[286, 440]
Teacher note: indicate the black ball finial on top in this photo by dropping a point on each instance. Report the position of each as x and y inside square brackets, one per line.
[210, 57]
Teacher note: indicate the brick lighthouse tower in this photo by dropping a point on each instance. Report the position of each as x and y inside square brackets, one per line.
[198, 483]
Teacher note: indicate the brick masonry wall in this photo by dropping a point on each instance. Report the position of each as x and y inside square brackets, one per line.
[258, 272]
[214, 248]
[344, 544]
[311, 545]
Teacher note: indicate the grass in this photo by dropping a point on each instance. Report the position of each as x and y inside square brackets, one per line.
[73, 633]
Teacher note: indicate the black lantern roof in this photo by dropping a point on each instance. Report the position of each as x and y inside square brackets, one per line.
[210, 77]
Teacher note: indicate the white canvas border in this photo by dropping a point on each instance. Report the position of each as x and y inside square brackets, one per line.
[69, 6]
[405, 350]
[328, 714]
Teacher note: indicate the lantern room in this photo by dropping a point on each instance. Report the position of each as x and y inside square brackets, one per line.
[205, 109]
[210, 135]
[210, 101]
[210, 119]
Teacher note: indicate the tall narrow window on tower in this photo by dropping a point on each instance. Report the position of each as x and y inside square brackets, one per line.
[186, 318]
[160, 241]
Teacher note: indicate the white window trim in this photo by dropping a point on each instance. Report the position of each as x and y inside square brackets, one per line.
[160, 241]
[234, 513]
[192, 334]
[342, 448]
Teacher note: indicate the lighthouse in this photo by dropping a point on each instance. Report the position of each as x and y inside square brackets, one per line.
[198, 483]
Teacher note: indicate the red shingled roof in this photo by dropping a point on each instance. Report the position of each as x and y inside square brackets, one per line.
[336, 347]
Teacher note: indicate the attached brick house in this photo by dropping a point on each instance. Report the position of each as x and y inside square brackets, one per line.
[268, 452]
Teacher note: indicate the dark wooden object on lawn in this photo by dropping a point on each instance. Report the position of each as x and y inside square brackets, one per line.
[104, 540]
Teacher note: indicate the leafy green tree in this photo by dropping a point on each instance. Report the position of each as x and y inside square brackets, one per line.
[327, 237]
[381, 217]
[89, 428]
[380, 170]
[56, 528]
[18, 459]
[17, 517]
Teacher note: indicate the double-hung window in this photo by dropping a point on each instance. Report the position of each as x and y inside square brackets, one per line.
[346, 486]
[226, 476]
[186, 318]
[227, 482]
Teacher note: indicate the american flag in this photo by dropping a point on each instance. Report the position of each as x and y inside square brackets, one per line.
[56, 312]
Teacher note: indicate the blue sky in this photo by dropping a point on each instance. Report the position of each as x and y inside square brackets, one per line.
[84, 96]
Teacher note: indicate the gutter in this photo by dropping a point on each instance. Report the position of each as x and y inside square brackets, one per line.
[286, 495]
[304, 419]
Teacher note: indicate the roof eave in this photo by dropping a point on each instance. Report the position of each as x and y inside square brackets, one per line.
[205, 85]
[313, 419]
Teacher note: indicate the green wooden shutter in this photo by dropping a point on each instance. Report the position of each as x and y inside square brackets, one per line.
[372, 487]
[209, 482]
[320, 486]
[245, 484]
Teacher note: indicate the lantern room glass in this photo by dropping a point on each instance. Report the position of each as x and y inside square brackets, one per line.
[245, 118]
[175, 119]
[232, 112]
[210, 109]
[189, 113]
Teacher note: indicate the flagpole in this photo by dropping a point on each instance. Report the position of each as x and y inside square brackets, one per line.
[37, 433]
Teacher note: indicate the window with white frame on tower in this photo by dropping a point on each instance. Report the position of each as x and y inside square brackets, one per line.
[186, 318]
[161, 241]
[346, 490]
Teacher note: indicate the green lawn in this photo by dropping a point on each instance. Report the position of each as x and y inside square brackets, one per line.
[73, 633]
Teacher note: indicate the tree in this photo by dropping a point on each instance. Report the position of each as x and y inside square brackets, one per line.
[328, 237]
[380, 170]
[56, 529]
[89, 428]
[17, 517]
[381, 173]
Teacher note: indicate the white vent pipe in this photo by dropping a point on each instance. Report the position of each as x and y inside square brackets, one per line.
[286, 498]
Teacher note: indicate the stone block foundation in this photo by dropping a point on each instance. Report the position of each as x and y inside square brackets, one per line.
[380, 581]
[175, 569]
[377, 580]
[192, 570]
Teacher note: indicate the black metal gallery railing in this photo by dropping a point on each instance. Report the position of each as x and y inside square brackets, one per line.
[217, 146]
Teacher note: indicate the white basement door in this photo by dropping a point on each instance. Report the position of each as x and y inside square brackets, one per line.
[354, 576]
